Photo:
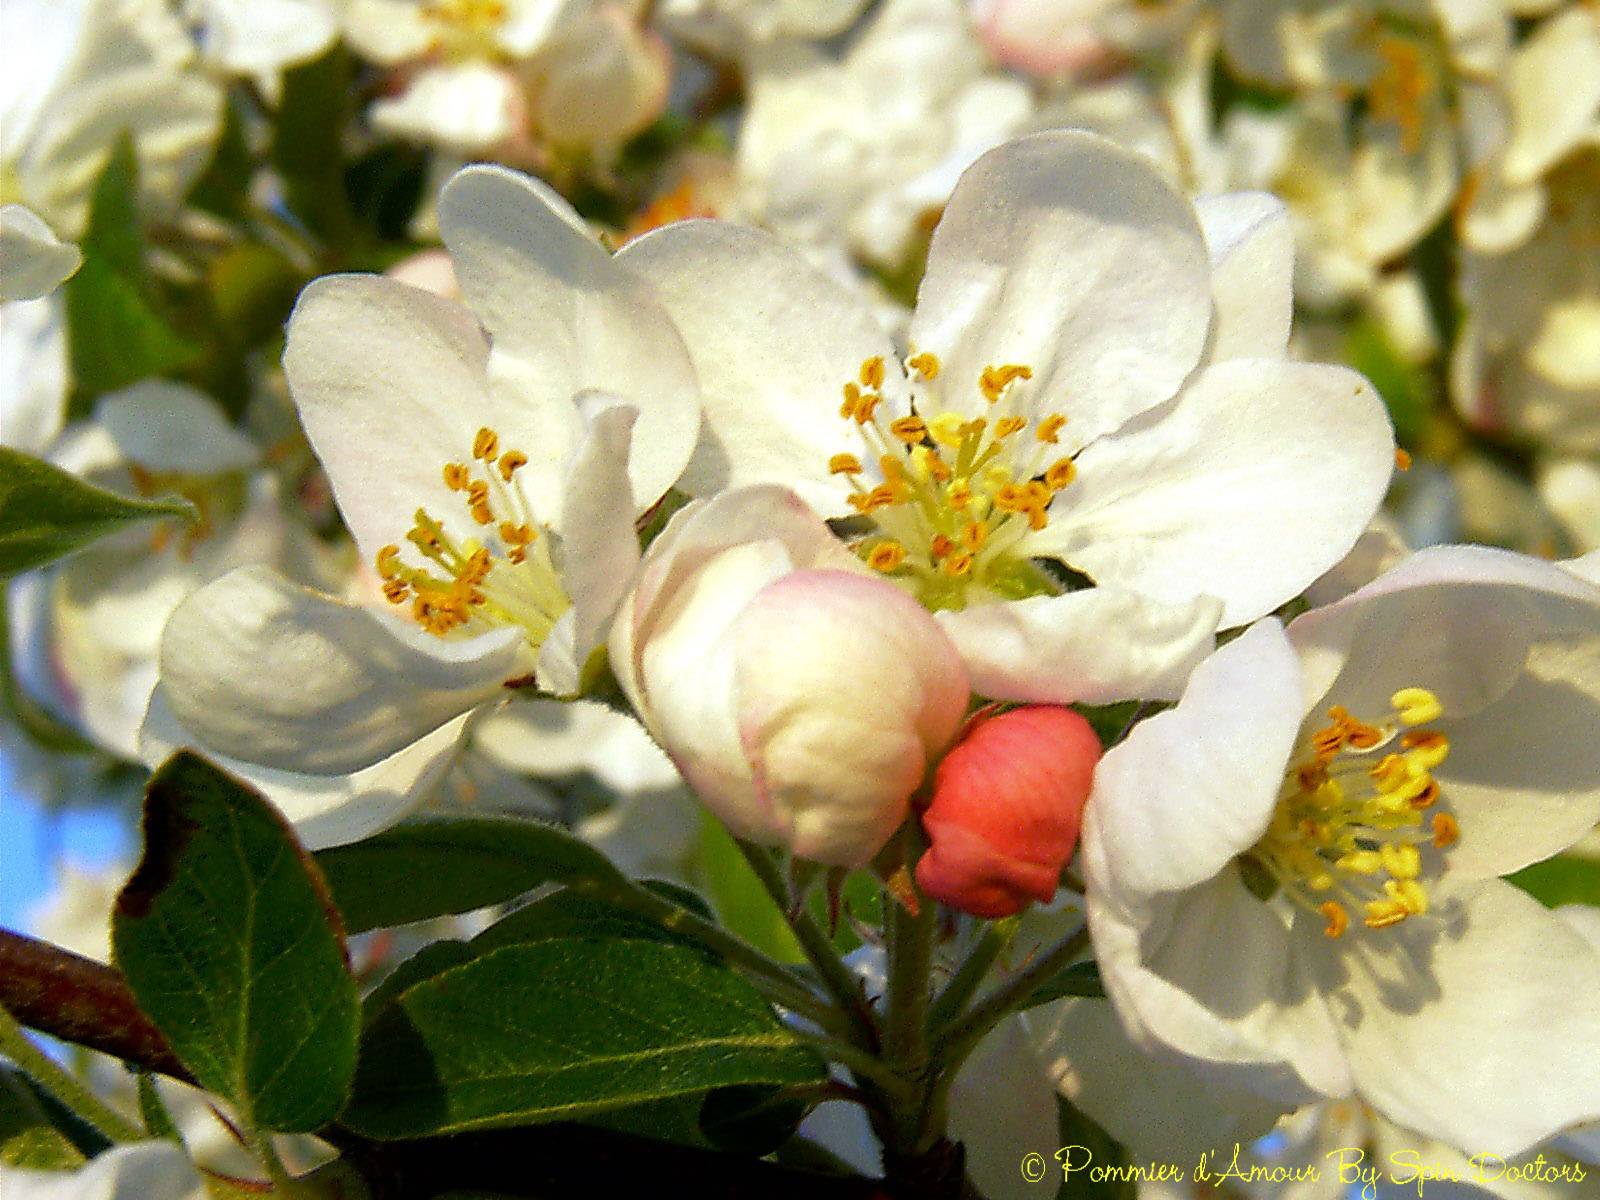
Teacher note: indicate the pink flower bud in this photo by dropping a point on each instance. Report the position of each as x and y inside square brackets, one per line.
[1007, 802]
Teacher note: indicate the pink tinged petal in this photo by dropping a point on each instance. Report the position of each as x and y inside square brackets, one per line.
[390, 384]
[325, 810]
[1259, 477]
[1251, 245]
[271, 673]
[1092, 646]
[565, 317]
[846, 690]
[774, 341]
[1066, 254]
[1478, 1027]
[1159, 1103]
[1259, 1026]
[599, 547]
[1193, 787]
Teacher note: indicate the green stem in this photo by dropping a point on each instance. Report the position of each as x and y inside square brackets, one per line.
[970, 975]
[910, 963]
[66, 1087]
[956, 1040]
[839, 980]
[867, 1067]
[776, 981]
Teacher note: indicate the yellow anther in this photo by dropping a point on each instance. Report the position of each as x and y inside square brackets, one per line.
[1011, 498]
[910, 430]
[893, 468]
[1416, 706]
[886, 557]
[867, 406]
[1402, 459]
[1391, 773]
[387, 561]
[1425, 748]
[974, 535]
[516, 535]
[925, 365]
[852, 399]
[948, 429]
[1383, 913]
[959, 494]
[456, 476]
[1401, 859]
[1049, 429]
[486, 445]
[995, 380]
[396, 590]
[1361, 862]
[958, 565]
[940, 546]
[1338, 919]
[1006, 426]
[1409, 894]
[1428, 796]
[844, 464]
[1446, 831]
[482, 514]
[872, 372]
[510, 462]
[1060, 474]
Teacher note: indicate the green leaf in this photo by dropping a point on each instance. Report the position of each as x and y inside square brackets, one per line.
[1084, 1147]
[115, 334]
[47, 513]
[433, 959]
[1080, 979]
[229, 940]
[570, 914]
[1564, 879]
[559, 1029]
[27, 1138]
[751, 1119]
[224, 186]
[446, 865]
[308, 143]
[741, 902]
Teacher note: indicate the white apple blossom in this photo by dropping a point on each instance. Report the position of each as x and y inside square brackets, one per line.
[1335, 802]
[735, 25]
[855, 150]
[802, 698]
[504, 449]
[33, 261]
[1098, 380]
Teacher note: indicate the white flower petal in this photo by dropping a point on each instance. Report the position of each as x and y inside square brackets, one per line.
[271, 673]
[1002, 1107]
[325, 810]
[33, 373]
[1251, 244]
[139, 1171]
[1553, 85]
[1064, 253]
[390, 383]
[32, 259]
[1193, 787]
[1092, 646]
[465, 107]
[1257, 1026]
[165, 426]
[1477, 1027]
[549, 737]
[565, 317]
[1257, 479]
[774, 341]
[1161, 1105]
[599, 547]
[256, 37]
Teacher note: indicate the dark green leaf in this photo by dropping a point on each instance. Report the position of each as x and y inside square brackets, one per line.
[115, 333]
[232, 947]
[47, 513]
[560, 1029]
[569, 914]
[253, 287]
[307, 146]
[431, 960]
[1080, 979]
[1564, 879]
[224, 186]
[445, 865]
[1085, 1147]
[751, 1119]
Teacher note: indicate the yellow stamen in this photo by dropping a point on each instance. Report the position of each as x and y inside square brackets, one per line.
[1402, 459]
[1338, 919]
[872, 373]
[1416, 706]
[1446, 831]
[1060, 474]
[886, 557]
[510, 462]
[844, 464]
[910, 430]
[456, 476]
[486, 445]
[995, 380]
[1049, 429]
[925, 365]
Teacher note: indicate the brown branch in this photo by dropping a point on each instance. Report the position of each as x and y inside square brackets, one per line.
[81, 1001]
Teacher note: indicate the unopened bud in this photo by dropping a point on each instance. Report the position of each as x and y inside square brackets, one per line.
[1007, 803]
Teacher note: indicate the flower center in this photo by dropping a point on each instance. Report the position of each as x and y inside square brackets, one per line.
[504, 577]
[1397, 92]
[1354, 815]
[465, 28]
[958, 494]
[216, 498]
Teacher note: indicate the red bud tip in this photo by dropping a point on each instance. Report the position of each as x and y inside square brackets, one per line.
[1007, 803]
